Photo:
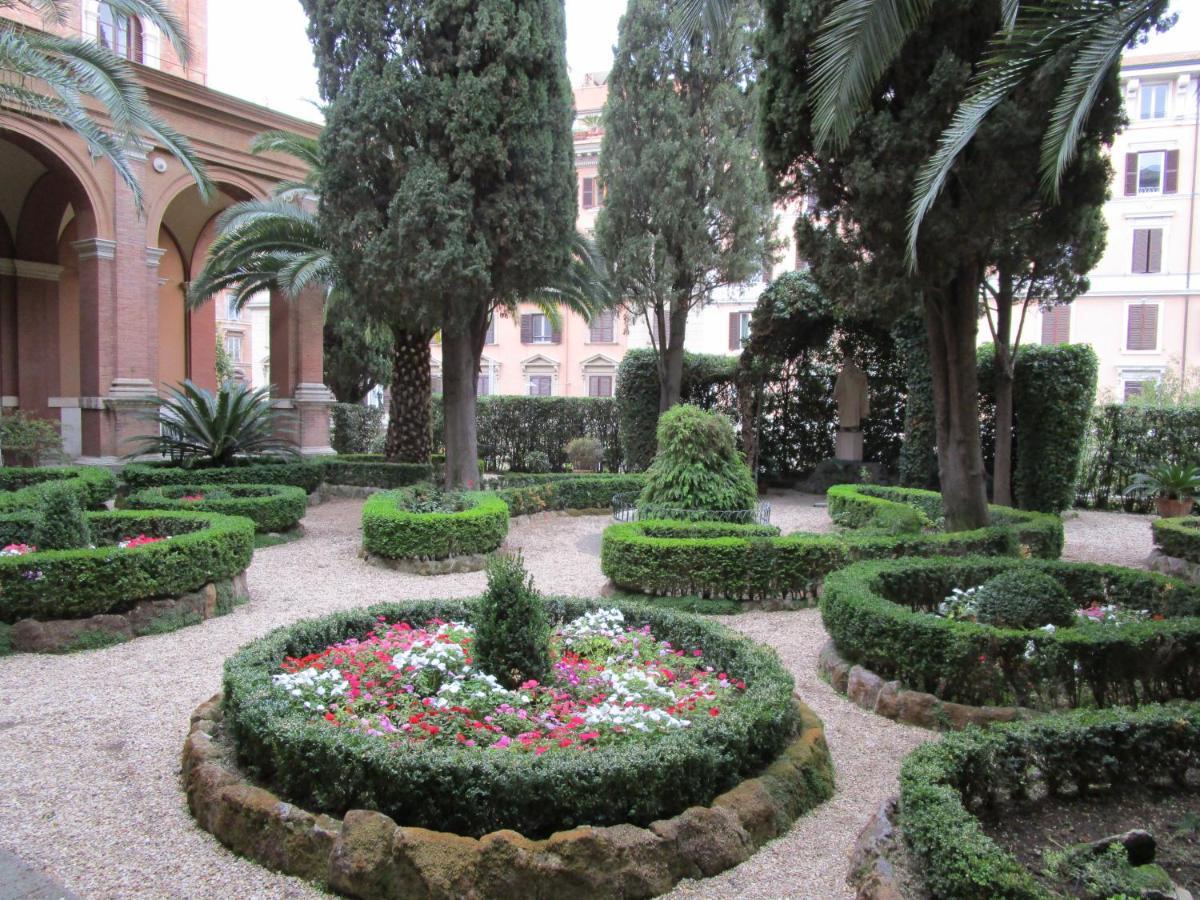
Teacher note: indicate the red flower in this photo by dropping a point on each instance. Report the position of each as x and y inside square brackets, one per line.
[714, 712]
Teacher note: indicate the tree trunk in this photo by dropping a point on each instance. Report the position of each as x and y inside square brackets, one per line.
[749, 400]
[670, 387]
[951, 322]
[1002, 464]
[462, 344]
[409, 438]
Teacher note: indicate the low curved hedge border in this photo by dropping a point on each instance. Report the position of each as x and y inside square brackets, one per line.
[20, 488]
[372, 470]
[303, 473]
[1179, 538]
[941, 783]
[272, 507]
[878, 615]
[66, 584]
[526, 494]
[473, 792]
[748, 563]
[393, 532]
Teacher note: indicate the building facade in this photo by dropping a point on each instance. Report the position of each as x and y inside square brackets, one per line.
[93, 325]
[1141, 313]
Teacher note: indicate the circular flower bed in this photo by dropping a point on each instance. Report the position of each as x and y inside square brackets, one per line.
[749, 563]
[20, 488]
[1134, 636]
[648, 712]
[950, 790]
[303, 473]
[127, 583]
[421, 524]
[272, 507]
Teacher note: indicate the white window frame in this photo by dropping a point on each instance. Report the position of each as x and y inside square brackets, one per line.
[1144, 89]
[239, 339]
[1158, 337]
[489, 373]
[744, 325]
[1162, 172]
[545, 338]
[1131, 374]
[529, 384]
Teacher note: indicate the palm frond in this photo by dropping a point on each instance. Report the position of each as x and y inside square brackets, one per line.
[858, 41]
[692, 16]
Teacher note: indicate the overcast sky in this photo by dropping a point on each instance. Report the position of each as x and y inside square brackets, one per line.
[258, 49]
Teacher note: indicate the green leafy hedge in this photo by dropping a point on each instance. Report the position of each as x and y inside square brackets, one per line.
[744, 562]
[472, 793]
[370, 470]
[64, 584]
[509, 428]
[941, 783]
[1126, 439]
[526, 494]
[1178, 537]
[272, 507]
[303, 473]
[878, 615]
[355, 427]
[393, 532]
[20, 488]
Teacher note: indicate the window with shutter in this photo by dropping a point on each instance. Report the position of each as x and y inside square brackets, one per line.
[600, 385]
[589, 193]
[1142, 327]
[539, 385]
[1150, 172]
[1133, 389]
[536, 329]
[1171, 172]
[1131, 174]
[1056, 325]
[602, 327]
[1147, 250]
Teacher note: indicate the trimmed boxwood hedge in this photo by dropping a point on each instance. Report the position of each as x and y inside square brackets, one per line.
[1178, 537]
[526, 494]
[304, 473]
[65, 584]
[20, 488]
[372, 470]
[744, 562]
[393, 532]
[941, 783]
[272, 507]
[877, 614]
[471, 792]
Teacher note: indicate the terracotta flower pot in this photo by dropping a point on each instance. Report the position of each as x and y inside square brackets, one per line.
[1170, 508]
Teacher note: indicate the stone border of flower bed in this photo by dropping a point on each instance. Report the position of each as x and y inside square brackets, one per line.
[19, 487]
[747, 563]
[78, 584]
[889, 699]
[872, 874]
[273, 508]
[877, 614]
[366, 854]
[1177, 547]
[398, 538]
[145, 617]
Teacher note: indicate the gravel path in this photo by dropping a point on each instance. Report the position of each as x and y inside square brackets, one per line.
[1123, 539]
[90, 742]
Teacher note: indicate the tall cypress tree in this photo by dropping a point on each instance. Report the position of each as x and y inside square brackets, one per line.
[449, 183]
[687, 208]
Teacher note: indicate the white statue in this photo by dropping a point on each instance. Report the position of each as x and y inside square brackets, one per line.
[854, 404]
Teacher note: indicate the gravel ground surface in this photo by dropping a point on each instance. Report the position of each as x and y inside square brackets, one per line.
[90, 742]
[1123, 539]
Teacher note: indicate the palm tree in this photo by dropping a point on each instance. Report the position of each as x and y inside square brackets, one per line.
[277, 243]
[861, 39]
[50, 75]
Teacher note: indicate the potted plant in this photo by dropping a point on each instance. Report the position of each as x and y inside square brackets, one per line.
[1172, 485]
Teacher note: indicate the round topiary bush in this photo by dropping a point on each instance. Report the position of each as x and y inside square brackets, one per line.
[698, 466]
[272, 507]
[1024, 598]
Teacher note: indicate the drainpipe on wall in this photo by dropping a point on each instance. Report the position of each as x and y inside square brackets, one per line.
[1187, 298]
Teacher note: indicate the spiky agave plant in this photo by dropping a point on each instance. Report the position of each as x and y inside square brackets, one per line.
[203, 428]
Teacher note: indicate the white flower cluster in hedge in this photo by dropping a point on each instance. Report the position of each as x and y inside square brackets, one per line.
[314, 688]
[634, 686]
[608, 623]
[634, 717]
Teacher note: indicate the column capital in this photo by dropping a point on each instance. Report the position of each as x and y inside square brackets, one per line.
[95, 248]
[132, 390]
[154, 256]
[313, 393]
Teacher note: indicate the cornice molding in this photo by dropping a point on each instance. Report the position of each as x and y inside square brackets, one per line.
[95, 248]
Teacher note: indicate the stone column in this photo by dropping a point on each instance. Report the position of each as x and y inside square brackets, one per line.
[97, 347]
[297, 367]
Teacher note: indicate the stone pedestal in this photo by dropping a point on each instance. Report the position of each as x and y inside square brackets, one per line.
[849, 445]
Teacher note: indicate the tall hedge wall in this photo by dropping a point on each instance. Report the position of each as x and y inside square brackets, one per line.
[1124, 440]
[512, 427]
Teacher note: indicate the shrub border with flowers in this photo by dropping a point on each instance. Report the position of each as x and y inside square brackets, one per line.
[20, 488]
[471, 792]
[941, 783]
[746, 563]
[1178, 537]
[67, 584]
[302, 473]
[393, 532]
[876, 614]
[272, 507]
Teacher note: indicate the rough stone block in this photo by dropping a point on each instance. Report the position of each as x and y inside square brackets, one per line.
[863, 687]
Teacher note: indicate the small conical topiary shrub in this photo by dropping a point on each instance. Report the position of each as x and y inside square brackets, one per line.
[1024, 598]
[698, 465]
[62, 524]
[512, 631]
